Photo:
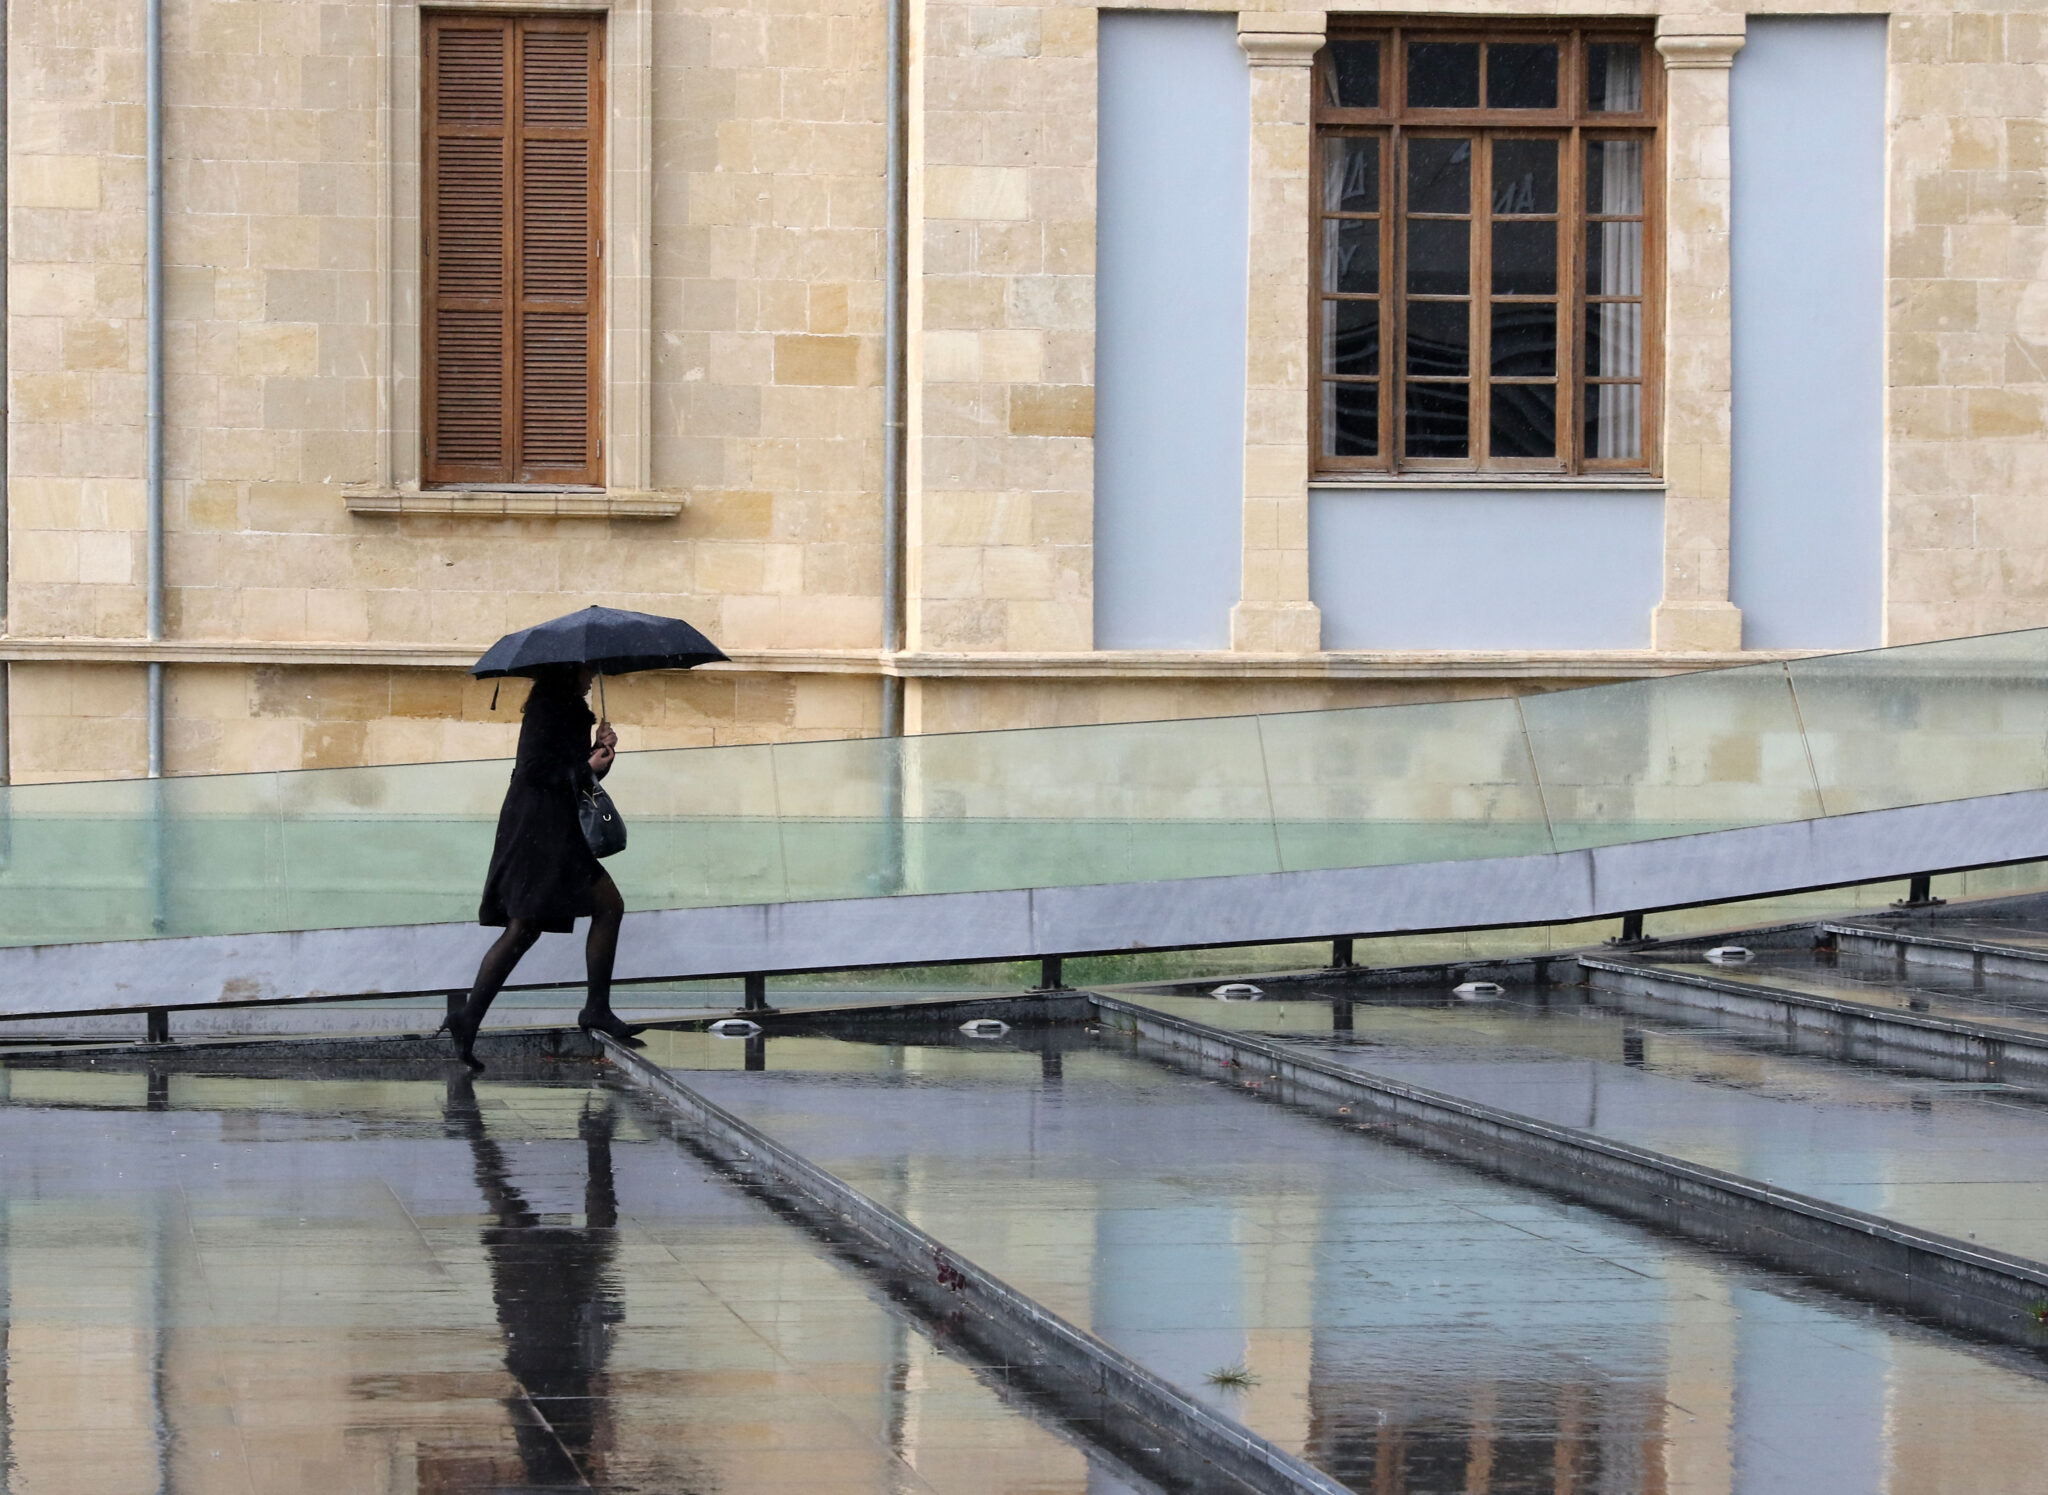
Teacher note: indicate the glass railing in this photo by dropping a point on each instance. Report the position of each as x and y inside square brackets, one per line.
[338, 848]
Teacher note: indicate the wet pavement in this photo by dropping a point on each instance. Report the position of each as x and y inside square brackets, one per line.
[1406, 1324]
[358, 1282]
[1967, 1160]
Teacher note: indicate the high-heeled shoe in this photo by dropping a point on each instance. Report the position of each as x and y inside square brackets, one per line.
[611, 1025]
[462, 1032]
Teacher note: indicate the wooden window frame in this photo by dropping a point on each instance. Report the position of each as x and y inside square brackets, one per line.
[1574, 125]
[450, 475]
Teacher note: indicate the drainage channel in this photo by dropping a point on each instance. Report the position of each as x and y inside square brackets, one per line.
[1397, 1319]
[356, 1274]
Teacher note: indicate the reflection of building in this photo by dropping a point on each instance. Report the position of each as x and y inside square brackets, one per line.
[1289, 358]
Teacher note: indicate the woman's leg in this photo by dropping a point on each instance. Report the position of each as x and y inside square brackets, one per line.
[491, 976]
[598, 955]
[602, 948]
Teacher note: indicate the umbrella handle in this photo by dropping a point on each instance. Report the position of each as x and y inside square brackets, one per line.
[603, 715]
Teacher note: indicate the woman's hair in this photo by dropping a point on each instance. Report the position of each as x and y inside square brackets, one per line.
[558, 679]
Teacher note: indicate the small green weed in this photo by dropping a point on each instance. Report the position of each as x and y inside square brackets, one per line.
[1231, 1377]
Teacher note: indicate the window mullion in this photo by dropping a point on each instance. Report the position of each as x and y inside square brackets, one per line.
[1479, 420]
[1571, 285]
[1395, 302]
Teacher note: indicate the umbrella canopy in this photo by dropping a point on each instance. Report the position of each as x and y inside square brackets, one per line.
[609, 640]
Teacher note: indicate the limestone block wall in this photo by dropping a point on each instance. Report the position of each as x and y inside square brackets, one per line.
[1968, 530]
[1003, 315]
[292, 241]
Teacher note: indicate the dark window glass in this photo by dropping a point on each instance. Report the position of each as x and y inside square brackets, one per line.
[1614, 176]
[1523, 420]
[1351, 420]
[1439, 257]
[1351, 256]
[1355, 75]
[1614, 259]
[1439, 176]
[1438, 420]
[1525, 176]
[1614, 77]
[1439, 339]
[1614, 422]
[1614, 340]
[1351, 174]
[1524, 339]
[1525, 259]
[1352, 332]
[1521, 75]
[1443, 75]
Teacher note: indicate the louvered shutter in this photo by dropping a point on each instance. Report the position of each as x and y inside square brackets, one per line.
[511, 157]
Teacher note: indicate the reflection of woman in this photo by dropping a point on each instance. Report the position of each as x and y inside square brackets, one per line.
[556, 1301]
[543, 876]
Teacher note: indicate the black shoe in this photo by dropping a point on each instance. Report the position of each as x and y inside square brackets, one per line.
[458, 1027]
[610, 1024]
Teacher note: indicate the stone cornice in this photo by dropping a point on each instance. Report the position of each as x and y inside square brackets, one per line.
[1135, 664]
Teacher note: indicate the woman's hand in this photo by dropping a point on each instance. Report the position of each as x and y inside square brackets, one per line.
[607, 749]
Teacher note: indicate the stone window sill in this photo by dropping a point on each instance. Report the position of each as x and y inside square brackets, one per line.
[610, 503]
[1491, 482]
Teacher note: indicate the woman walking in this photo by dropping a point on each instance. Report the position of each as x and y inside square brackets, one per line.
[544, 876]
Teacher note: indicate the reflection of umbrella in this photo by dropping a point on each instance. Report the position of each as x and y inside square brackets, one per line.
[610, 641]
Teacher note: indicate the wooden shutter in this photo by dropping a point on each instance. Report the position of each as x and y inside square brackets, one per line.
[512, 156]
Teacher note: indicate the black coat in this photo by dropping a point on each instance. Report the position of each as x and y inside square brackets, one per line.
[542, 869]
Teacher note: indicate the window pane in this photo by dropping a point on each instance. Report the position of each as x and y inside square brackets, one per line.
[1439, 338]
[1525, 176]
[1614, 77]
[1351, 255]
[1614, 421]
[1439, 257]
[1443, 75]
[1524, 339]
[1523, 421]
[1437, 420]
[1351, 174]
[1614, 259]
[1351, 338]
[1614, 340]
[1354, 75]
[1521, 75]
[1525, 259]
[1614, 176]
[1439, 176]
[1351, 420]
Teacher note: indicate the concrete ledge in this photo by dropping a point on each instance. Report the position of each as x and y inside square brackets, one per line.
[1944, 952]
[1949, 1281]
[1187, 1445]
[1905, 1039]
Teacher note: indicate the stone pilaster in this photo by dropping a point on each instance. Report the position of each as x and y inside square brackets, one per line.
[1274, 613]
[1696, 614]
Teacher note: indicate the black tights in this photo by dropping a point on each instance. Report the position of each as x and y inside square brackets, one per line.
[599, 950]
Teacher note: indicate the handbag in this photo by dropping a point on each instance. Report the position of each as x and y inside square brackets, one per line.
[602, 827]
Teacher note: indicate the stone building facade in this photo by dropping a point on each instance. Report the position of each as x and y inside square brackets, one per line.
[320, 599]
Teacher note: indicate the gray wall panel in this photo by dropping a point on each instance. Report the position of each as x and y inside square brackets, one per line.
[1808, 159]
[1478, 569]
[1174, 162]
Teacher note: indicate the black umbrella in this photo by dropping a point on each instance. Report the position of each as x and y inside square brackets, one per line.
[609, 640]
